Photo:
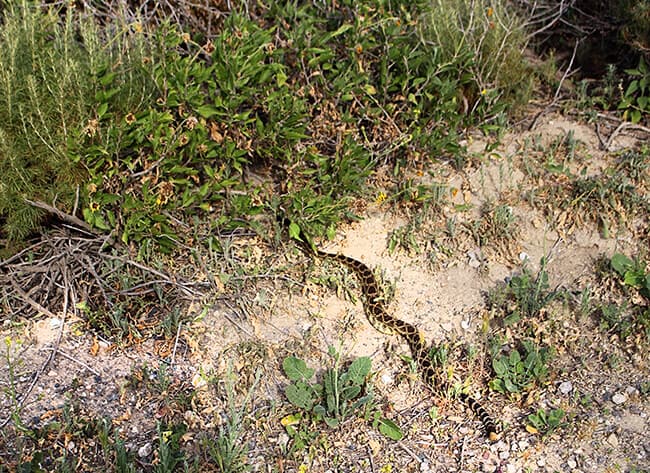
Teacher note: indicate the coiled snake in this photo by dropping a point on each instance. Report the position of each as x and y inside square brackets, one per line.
[380, 319]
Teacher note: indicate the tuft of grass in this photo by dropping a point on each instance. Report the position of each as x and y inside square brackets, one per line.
[227, 450]
[485, 41]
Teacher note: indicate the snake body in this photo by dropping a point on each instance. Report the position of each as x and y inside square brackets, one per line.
[379, 318]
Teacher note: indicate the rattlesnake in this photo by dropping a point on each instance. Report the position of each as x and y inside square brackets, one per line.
[380, 319]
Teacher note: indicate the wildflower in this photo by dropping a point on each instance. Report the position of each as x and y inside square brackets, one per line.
[490, 12]
[92, 188]
[484, 92]
[191, 122]
[208, 47]
[359, 49]
[94, 207]
[381, 197]
[137, 27]
[185, 37]
[183, 140]
[91, 127]
[129, 119]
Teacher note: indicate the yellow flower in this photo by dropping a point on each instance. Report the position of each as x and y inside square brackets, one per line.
[129, 119]
[484, 92]
[137, 27]
[381, 197]
[94, 207]
[302, 468]
[490, 12]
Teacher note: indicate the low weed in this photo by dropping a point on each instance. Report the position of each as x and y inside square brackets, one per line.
[524, 296]
[342, 393]
[520, 369]
[545, 421]
[227, 450]
[635, 102]
[627, 315]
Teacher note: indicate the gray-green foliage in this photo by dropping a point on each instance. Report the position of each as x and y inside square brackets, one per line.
[520, 369]
[48, 66]
[336, 398]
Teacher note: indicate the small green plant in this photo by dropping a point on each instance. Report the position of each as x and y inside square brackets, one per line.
[338, 396]
[520, 369]
[524, 296]
[170, 455]
[633, 272]
[342, 393]
[545, 422]
[626, 318]
[227, 451]
[635, 102]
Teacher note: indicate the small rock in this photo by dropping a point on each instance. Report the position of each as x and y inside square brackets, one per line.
[565, 387]
[541, 462]
[619, 398]
[523, 444]
[283, 440]
[464, 324]
[612, 440]
[631, 391]
[571, 463]
[510, 468]
[424, 467]
[523, 256]
[145, 450]
[72, 447]
[386, 378]
[504, 455]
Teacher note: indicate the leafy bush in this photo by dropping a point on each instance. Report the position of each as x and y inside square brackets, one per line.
[47, 98]
[341, 394]
[520, 369]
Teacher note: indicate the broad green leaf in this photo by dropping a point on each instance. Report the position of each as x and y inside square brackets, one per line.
[294, 231]
[359, 369]
[390, 429]
[206, 111]
[296, 369]
[299, 396]
[621, 263]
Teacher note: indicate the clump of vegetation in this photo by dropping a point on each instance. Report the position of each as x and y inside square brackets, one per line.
[49, 92]
[520, 369]
[160, 126]
[626, 312]
[486, 42]
[342, 393]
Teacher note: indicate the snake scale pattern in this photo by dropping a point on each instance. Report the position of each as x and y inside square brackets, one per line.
[384, 322]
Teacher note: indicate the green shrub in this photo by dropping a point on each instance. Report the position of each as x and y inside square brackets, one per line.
[48, 66]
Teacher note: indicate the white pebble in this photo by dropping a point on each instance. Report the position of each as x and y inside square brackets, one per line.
[541, 462]
[619, 398]
[572, 463]
[612, 440]
[565, 387]
[145, 450]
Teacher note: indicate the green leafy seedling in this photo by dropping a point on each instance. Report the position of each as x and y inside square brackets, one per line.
[545, 422]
